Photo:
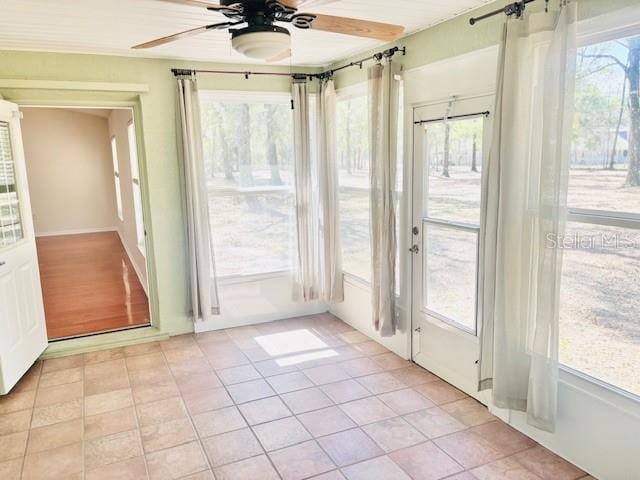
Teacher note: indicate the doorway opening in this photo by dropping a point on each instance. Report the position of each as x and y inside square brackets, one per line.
[450, 143]
[84, 186]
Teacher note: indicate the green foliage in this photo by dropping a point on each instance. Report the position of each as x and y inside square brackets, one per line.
[222, 123]
[461, 139]
[352, 126]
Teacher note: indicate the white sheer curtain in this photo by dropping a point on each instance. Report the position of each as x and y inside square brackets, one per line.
[203, 284]
[383, 138]
[306, 287]
[524, 206]
[331, 284]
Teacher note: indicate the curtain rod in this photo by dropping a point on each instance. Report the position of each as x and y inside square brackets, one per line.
[185, 72]
[486, 113]
[296, 76]
[358, 63]
[513, 9]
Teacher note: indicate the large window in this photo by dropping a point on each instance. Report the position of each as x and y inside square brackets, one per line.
[600, 292]
[116, 177]
[135, 185]
[451, 224]
[352, 125]
[248, 160]
[353, 154]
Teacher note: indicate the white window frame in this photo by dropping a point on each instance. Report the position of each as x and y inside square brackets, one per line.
[136, 189]
[116, 177]
[590, 32]
[232, 96]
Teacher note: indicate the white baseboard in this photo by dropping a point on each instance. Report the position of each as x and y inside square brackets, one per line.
[356, 312]
[224, 323]
[80, 231]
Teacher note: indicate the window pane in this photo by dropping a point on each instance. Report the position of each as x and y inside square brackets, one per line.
[137, 208]
[353, 172]
[133, 151]
[600, 304]
[135, 185]
[248, 161]
[252, 233]
[605, 169]
[10, 222]
[453, 170]
[116, 176]
[449, 285]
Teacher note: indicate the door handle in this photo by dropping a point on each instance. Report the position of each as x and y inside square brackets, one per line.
[414, 249]
[2, 264]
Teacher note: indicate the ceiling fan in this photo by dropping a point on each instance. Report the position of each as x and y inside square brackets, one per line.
[258, 37]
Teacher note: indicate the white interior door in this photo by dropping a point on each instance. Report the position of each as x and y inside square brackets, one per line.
[447, 172]
[23, 335]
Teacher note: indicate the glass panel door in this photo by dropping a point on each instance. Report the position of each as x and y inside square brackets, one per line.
[448, 159]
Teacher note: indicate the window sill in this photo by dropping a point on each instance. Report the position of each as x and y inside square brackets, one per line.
[600, 390]
[356, 281]
[448, 323]
[257, 277]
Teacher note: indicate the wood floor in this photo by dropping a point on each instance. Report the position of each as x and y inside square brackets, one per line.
[89, 285]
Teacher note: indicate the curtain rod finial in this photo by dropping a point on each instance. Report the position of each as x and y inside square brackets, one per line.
[179, 72]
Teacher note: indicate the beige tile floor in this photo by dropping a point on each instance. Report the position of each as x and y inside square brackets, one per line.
[293, 399]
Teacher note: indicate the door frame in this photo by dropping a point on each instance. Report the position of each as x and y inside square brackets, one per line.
[468, 342]
[60, 347]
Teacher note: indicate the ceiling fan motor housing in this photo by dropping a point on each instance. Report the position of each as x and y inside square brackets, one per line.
[261, 41]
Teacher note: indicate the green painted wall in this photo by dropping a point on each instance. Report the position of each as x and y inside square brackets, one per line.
[457, 37]
[157, 123]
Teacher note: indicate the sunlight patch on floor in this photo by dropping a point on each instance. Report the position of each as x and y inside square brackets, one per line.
[286, 343]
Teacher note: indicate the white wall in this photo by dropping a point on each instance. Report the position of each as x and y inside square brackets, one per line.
[69, 171]
[356, 311]
[117, 125]
[262, 298]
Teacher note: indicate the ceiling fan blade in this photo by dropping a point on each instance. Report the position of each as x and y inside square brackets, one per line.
[305, 3]
[211, 5]
[314, 3]
[197, 3]
[178, 36]
[358, 28]
[291, 3]
[286, 54]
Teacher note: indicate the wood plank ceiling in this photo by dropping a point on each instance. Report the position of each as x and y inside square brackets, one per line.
[113, 26]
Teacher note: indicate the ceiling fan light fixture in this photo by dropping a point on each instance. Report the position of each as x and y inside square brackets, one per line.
[261, 42]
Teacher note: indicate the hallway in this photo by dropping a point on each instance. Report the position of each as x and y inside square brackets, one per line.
[89, 285]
